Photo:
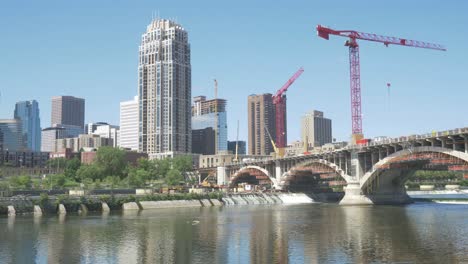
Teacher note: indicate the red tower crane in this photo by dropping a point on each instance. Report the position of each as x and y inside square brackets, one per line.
[355, 76]
[279, 100]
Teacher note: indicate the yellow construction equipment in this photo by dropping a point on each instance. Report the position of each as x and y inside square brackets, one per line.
[278, 151]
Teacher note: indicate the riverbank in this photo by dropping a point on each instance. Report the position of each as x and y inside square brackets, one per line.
[69, 204]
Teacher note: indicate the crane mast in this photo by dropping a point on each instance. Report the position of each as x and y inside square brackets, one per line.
[354, 65]
[279, 100]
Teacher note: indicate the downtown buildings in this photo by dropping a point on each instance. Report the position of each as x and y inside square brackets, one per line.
[209, 126]
[11, 135]
[67, 121]
[316, 129]
[28, 113]
[68, 110]
[104, 130]
[164, 90]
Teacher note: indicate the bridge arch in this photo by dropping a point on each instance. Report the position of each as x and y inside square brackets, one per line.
[324, 171]
[382, 165]
[235, 178]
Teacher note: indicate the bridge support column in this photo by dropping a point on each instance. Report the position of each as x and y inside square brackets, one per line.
[278, 174]
[221, 176]
[354, 196]
[466, 144]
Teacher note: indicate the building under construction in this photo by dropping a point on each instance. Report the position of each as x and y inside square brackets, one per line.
[209, 114]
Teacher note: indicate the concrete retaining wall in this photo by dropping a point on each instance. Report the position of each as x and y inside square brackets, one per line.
[206, 203]
[216, 202]
[130, 206]
[169, 204]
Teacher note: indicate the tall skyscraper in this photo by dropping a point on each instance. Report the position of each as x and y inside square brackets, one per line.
[68, 110]
[28, 113]
[261, 116]
[11, 134]
[164, 90]
[316, 130]
[209, 114]
[129, 124]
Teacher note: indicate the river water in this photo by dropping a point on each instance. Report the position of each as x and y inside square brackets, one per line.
[312, 233]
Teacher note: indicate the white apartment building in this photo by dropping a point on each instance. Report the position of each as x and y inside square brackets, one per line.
[129, 124]
[164, 90]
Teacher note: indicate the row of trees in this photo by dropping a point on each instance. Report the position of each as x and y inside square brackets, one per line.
[110, 169]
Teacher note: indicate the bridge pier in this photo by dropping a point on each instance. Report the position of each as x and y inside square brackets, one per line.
[354, 196]
[221, 176]
[466, 143]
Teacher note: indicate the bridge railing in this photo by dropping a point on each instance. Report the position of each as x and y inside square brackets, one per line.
[401, 139]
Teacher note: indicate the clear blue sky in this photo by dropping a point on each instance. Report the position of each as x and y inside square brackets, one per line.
[90, 49]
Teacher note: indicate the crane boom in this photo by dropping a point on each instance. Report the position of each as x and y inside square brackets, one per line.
[279, 101]
[354, 65]
[324, 32]
[285, 87]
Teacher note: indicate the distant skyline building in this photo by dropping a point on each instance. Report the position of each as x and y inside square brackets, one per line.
[316, 130]
[105, 130]
[82, 142]
[11, 135]
[50, 136]
[241, 149]
[129, 124]
[68, 110]
[28, 113]
[261, 116]
[164, 90]
[211, 113]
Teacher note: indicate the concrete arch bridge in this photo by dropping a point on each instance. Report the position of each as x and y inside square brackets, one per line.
[374, 173]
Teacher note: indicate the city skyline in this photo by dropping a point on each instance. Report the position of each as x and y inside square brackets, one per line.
[324, 85]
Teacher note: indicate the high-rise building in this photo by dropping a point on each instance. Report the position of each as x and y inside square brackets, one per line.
[129, 124]
[203, 141]
[316, 130]
[261, 116]
[210, 113]
[105, 130]
[68, 110]
[164, 90]
[11, 134]
[241, 148]
[28, 113]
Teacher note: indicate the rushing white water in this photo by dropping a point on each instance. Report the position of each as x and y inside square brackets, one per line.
[267, 198]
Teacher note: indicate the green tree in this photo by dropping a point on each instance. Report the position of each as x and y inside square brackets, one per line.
[182, 163]
[91, 171]
[71, 168]
[21, 182]
[58, 181]
[174, 177]
[138, 177]
[111, 161]
[163, 167]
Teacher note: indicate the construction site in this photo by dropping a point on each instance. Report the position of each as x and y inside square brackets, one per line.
[267, 123]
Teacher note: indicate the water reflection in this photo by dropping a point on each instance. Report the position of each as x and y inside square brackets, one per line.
[275, 234]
